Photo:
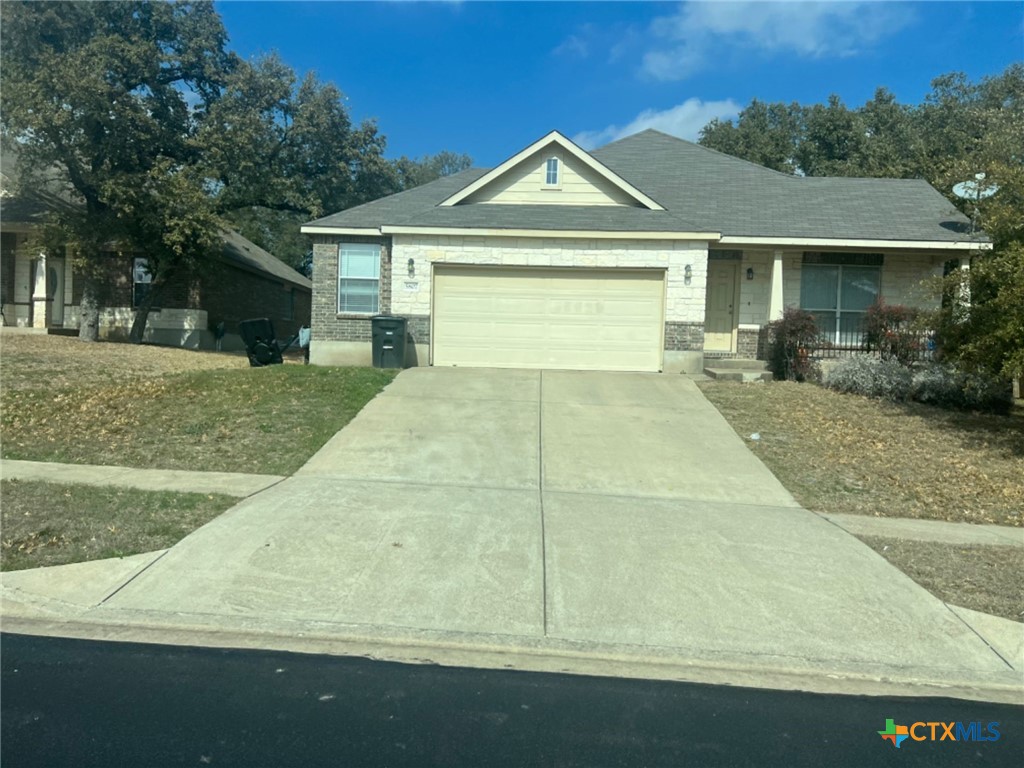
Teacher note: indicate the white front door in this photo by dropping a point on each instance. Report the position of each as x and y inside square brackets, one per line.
[720, 310]
[55, 291]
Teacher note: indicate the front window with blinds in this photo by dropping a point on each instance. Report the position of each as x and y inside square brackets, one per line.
[359, 278]
[838, 288]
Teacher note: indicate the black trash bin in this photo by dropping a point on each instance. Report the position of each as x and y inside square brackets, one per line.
[388, 341]
[261, 346]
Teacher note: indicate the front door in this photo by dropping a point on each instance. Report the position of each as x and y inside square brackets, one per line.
[55, 291]
[720, 311]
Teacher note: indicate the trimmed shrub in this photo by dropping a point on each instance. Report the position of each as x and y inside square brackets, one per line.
[946, 387]
[871, 377]
[889, 330]
[790, 339]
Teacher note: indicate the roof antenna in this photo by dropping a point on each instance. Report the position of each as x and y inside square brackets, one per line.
[977, 191]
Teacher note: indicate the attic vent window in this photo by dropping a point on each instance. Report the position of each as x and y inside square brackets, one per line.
[551, 172]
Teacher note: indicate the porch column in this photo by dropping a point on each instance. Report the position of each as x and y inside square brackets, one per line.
[775, 306]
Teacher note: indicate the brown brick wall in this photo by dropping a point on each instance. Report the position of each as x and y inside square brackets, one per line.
[328, 324]
[684, 337]
[418, 329]
[234, 294]
[227, 293]
[747, 343]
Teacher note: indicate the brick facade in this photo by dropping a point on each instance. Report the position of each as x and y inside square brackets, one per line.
[684, 337]
[225, 293]
[327, 323]
[237, 294]
[747, 343]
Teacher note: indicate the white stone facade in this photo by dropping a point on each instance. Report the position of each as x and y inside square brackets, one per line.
[684, 292]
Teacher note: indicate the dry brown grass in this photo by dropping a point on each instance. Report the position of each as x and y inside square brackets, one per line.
[55, 524]
[982, 578]
[29, 361]
[846, 453]
[151, 407]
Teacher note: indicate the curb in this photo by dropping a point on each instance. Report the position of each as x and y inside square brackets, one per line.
[524, 654]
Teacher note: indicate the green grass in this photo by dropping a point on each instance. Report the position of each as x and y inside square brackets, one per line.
[263, 420]
[55, 524]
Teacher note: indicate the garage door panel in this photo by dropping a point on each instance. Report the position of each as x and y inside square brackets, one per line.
[548, 318]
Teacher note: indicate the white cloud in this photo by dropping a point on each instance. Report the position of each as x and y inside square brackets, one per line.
[683, 120]
[574, 45]
[592, 41]
[690, 39]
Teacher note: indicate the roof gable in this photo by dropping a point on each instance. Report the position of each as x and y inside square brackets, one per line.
[583, 180]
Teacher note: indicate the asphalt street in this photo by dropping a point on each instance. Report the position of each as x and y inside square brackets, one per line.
[84, 703]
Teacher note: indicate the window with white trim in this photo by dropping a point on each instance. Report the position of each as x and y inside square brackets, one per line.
[838, 288]
[551, 172]
[359, 278]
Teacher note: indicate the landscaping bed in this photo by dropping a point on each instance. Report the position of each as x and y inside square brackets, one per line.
[149, 407]
[55, 524]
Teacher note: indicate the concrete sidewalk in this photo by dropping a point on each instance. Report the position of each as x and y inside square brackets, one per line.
[937, 531]
[589, 522]
[242, 485]
[228, 483]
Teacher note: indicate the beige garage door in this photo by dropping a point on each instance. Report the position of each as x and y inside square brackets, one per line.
[534, 317]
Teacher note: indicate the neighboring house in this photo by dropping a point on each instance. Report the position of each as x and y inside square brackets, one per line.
[647, 254]
[42, 290]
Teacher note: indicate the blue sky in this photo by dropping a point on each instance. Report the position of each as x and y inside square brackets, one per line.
[488, 78]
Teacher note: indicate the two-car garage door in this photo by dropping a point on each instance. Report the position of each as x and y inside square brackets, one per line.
[536, 317]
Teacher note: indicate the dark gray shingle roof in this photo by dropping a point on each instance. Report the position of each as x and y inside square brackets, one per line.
[32, 207]
[242, 251]
[742, 198]
[702, 190]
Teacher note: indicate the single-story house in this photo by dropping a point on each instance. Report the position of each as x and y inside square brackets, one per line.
[42, 290]
[647, 254]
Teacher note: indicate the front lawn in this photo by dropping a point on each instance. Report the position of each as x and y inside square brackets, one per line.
[851, 454]
[980, 577]
[125, 405]
[55, 524]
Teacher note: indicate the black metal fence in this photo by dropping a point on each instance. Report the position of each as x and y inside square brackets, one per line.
[919, 346]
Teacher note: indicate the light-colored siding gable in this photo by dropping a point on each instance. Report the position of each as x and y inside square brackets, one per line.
[525, 184]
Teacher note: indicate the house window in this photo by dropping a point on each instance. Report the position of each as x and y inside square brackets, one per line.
[142, 281]
[838, 288]
[359, 278]
[551, 172]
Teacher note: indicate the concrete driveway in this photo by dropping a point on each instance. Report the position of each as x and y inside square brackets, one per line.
[583, 512]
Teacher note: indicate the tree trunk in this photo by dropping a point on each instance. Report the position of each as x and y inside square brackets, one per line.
[138, 330]
[89, 327]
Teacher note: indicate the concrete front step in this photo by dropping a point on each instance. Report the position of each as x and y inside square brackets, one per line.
[741, 363]
[737, 374]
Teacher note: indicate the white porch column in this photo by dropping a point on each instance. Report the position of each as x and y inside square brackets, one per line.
[775, 305]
